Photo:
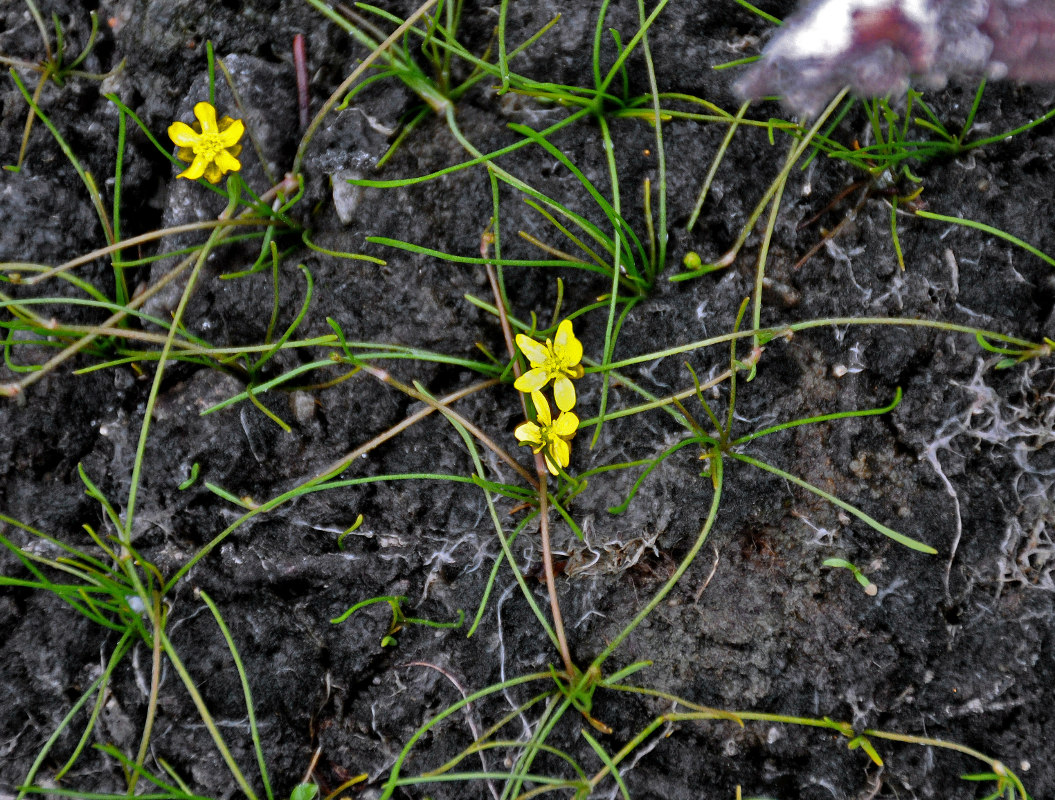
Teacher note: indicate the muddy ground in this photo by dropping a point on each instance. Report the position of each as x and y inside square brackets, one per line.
[957, 646]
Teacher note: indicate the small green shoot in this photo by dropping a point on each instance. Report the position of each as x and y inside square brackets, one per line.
[192, 478]
[399, 617]
[870, 588]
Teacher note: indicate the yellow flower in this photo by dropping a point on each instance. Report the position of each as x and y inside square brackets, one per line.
[547, 436]
[557, 360]
[211, 147]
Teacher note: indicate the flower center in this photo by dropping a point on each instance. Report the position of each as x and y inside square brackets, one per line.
[556, 363]
[209, 145]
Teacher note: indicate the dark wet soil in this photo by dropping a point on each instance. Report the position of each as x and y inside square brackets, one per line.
[957, 646]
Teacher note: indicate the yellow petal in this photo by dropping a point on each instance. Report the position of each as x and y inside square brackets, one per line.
[567, 345]
[196, 169]
[564, 393]
[227, 162]
[528, 433]
[206, 115]
[185, 153]
[551, 466]
[541, 409]
[566, 425]
[213, 174]
[560, 452]
[535, 352]
[183, 134]
[232, 134]
[531, 381]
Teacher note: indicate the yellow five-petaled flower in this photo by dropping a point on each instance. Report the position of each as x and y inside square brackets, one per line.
[556, 360]
[549, 436]
[209, 145]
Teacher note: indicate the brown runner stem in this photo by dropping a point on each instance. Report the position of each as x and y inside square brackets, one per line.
[540, 468]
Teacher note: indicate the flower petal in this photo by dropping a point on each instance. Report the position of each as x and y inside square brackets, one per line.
[230, 136]
[545, 419]
[206, 115]
[185, 153]
[535, 352]
[196, 169]
[213, 173]
[564, 393]
[528, 433]
[566, 426]
[227, 162]
[560, 452]
[567, 345]
[531, 381]
[551, 466]
[183, 134]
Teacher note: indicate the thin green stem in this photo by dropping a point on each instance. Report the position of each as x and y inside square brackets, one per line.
[763, 253]
[776, 332]
[717, 162]
[152, 699]
[777, 185]
[981, 226]
[870, 521]
[661, 154]
[206, 717]
[246, 693]
[686, 562]
[155, 389]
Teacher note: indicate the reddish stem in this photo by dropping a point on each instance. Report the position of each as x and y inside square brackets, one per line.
[300, 64]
